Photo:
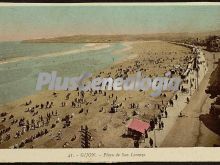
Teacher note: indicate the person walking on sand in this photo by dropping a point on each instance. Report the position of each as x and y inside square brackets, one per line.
[176, 96]
[166, 113]
[152, 124]
[171, 102]
[136, 144]
[146, 134]
[159, 117]
[159, 125]
[162, 124]
[187, 100]
[151, 142]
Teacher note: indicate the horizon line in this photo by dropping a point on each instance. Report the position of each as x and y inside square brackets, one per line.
[8, 4]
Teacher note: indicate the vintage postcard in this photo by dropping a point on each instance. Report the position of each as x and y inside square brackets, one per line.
[110, 82]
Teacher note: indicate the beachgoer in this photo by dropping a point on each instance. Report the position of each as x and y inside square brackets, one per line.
[187, 100]
[151, 142]
[162, 124]
[166, 113]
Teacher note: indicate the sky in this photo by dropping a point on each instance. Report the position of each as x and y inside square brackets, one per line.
[29, 22]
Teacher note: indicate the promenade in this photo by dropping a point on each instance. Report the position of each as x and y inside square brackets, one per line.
[161, 136]
[189, 131]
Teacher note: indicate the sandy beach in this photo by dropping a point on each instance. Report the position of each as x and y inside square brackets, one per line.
[153, 58]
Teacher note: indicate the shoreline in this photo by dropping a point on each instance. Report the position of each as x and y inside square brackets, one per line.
[87, 47]
[127, 49]
[138, 97]
[57, 54]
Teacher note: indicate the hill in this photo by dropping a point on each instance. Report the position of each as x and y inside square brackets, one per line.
[119, 38]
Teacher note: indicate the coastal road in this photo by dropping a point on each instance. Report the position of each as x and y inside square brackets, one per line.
[189, 131]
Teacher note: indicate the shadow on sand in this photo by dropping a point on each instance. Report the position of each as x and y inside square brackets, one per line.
[211, 122]
[214, 88]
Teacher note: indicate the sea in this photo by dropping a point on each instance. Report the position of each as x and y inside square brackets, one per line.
[20, 63]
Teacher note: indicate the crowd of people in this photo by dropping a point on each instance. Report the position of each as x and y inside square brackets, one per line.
[156, 122]
[45, 116]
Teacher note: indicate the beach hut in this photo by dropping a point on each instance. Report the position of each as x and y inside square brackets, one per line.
[137, 128]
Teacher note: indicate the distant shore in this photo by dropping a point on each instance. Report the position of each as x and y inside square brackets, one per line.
[121, 37]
